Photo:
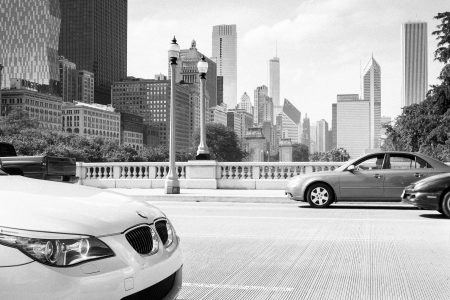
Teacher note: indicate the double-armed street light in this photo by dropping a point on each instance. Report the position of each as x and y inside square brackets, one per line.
[172, 184]
[202, 151]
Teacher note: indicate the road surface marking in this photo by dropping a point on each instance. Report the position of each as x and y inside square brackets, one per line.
[238, 287]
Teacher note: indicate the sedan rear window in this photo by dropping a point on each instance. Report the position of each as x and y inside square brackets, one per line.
[406, 162]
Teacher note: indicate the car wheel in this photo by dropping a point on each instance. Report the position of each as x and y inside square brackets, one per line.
[320, 195]
[445, 207]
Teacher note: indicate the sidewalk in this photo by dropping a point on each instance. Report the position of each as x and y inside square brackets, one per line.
[209, 195]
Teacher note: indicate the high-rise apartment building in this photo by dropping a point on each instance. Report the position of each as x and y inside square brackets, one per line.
[150, 99]
[218, 114]
[372, 93]
[29, 32]
[246, 104]
[414, 63]
[224, 51]
[94, 37]
[353, 126]
[290, 122]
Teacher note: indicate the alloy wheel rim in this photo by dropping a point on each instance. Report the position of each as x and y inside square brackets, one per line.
[319, 196]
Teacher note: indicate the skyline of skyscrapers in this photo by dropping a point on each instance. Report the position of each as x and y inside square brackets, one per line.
[94, 37]
[414, 63]
[224, 51]
[32, 56]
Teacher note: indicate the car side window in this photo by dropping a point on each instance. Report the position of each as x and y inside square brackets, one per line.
[371, 163]
[406, 162]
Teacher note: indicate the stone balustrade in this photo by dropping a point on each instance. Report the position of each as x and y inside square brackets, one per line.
[197, 174]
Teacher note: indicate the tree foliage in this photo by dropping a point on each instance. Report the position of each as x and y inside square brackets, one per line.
[425, 127]
[222, 142]
[336, 154]
[21, 131]
[300, 152]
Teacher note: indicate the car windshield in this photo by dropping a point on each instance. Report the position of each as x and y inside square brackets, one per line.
[350, 162]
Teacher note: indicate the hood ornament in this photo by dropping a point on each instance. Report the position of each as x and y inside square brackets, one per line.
[142, 214]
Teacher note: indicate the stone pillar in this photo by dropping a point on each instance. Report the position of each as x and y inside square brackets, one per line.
[256, 144]
[201, 174]
[285, 150]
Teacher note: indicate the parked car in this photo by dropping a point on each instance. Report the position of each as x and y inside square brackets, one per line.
[430, 193]
[60, 241]
[39, 167]
[379, 176]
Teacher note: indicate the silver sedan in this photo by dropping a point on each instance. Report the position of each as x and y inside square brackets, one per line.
[379, 176]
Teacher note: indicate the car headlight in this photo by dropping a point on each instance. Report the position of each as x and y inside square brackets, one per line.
[170, 234]
[59, 252]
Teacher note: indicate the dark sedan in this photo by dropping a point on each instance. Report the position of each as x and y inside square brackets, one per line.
[379, 176]
[430, 193]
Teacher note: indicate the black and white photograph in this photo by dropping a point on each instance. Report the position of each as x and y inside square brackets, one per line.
[225, 150]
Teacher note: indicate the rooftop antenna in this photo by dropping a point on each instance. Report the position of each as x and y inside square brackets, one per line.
[276, 48]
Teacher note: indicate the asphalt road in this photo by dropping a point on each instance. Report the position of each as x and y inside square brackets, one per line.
[291, 251]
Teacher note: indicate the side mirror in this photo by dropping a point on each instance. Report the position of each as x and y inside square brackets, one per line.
[351, 168]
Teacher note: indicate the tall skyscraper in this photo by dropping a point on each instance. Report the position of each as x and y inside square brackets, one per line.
[246, 104]
[322, 136]
[306, 136]
[274, 84]
[29, 32]
[260, 99]
[372, 93]
[334, 126]
[224, 51]
[290, 122]
[94, 37]
[353, 130]
[414, 63]
[68, 78]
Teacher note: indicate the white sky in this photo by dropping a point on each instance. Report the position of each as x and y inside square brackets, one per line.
[321, 43]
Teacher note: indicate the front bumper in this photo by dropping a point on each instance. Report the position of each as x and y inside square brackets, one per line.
[421, 199]
[127, 275]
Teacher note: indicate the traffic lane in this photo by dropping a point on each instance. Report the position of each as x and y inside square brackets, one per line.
[242, 251]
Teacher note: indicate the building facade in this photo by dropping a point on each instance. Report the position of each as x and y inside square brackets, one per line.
[263, 110]
[150, 99]
[29, 32]
[333, 138]
[353, 127]
[240, 121]
[372, 93]
[224, 51]
[94, 120]
[44, 108]
[218, 114]
[414, 63]
[290, 122]
[322, 136]
[85, 86]
[94, 37]
[245, 103]
[131, 130]
[68, 79]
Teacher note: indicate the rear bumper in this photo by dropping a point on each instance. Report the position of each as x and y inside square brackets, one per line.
[421, 199]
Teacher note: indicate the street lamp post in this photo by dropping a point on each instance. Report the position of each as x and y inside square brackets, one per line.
[202, 151]
[172, 185]
[1, 73]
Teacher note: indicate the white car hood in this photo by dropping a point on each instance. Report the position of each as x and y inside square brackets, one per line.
[39, 205]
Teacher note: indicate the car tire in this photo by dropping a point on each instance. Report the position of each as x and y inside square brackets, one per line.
[320, 195]
[445, 205]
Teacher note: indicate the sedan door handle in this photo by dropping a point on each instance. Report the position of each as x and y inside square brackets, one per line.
[418, 175]
[377, 176]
